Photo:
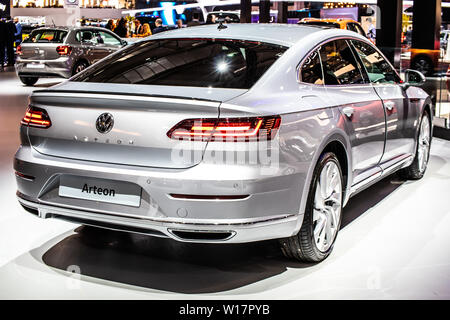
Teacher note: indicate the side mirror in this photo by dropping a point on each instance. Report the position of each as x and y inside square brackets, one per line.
[124, 43]
[414, 78]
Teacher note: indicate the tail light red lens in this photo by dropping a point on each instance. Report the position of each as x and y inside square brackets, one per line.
[19, 50]
[229, 129]
[36, 117]
[64, 50]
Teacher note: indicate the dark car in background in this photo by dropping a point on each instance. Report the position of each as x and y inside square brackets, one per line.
[346, 24]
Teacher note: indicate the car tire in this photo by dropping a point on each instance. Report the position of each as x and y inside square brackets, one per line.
[311, 243]
[417, 169]
[29, 81]
[79, 66]
[423, 64]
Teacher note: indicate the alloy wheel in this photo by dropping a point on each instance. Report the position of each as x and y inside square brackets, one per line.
[423, 150]
[80, 68]
[423, 66]
[327, 206]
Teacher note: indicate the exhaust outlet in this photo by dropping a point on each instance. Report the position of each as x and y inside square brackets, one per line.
[202, 235]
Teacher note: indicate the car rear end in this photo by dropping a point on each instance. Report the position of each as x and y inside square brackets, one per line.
[134, 149]
[45, 53]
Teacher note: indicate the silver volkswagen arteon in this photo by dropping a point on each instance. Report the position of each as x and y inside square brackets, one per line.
[224, 135]
[63, 51]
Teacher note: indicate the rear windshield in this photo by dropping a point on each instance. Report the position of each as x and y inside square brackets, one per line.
[47, 36]
[219, 63]
[322, 24]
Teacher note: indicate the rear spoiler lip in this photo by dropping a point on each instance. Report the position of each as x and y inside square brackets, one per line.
[125, 96]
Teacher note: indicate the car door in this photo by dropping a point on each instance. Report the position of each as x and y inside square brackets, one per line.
[360, 107]
[89, 43]
[401, 114]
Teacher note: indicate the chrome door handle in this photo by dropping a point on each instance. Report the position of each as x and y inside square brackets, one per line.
[389, 105]
[348, 111]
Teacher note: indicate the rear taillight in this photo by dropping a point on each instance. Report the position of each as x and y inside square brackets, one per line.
[64, 50]
[229, 129]
[36, 117]
[19, 50]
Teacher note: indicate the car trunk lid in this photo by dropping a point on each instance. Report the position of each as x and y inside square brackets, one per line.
[141, 122]
[42, 44]
[39, 51]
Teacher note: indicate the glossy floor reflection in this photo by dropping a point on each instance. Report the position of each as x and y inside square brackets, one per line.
[168, 265]
[394, 243]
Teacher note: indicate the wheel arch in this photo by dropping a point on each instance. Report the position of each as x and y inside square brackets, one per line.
[427, 107]
[425, 57]
[422, 55]
[339, 150]
[338, 143]
[82, 59]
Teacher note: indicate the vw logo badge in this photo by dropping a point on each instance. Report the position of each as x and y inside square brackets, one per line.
[104, 123]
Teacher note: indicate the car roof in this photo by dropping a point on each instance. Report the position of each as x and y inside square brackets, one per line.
[282, 34]
[89, 27]
[68, 28]
[224, 12]
[52, 28]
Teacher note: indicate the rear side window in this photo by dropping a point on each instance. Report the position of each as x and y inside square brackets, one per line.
[88, 37]
[339, 64]
[187, 62]
[311, 69]
[360, 30]
[355, 28]
[94, 37]
[109, 39]
[47, 36]
[378, 69]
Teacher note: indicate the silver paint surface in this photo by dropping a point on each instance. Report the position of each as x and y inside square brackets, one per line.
[311, 118]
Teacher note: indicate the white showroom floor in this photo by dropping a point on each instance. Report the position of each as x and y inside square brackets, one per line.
[394, 244]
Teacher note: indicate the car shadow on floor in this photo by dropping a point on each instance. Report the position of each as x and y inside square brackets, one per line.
[168, 265]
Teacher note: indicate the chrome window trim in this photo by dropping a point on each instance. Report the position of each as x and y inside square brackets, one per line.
[321, 64]
[300, 66]
[317, 47]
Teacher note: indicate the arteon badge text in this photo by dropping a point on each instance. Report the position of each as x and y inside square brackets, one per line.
[99, 191]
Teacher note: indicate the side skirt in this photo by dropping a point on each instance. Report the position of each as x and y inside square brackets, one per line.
[380, 174]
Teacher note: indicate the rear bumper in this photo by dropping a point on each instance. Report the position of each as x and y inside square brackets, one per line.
[230, 231]
[269, 209]
[60, 67]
